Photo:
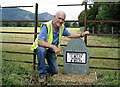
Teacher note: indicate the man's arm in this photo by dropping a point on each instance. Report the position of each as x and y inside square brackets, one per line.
[48, 45]
[78, 35]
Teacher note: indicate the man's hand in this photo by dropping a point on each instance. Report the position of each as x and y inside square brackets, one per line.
[85, 33]
[56, 50]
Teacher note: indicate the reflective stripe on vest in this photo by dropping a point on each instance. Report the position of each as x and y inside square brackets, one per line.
[49, 35]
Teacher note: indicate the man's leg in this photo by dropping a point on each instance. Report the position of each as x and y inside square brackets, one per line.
[41, 54]
[52, 63]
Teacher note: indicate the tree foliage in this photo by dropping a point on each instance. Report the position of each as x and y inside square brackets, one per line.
[67, 24]
[17, 24]
[102, 12]
[75, 24]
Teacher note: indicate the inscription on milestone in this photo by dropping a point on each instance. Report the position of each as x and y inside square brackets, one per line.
[76, 57]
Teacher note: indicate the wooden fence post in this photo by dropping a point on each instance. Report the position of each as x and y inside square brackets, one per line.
[98, 29]
[93, 31]
[35, 33]
[112, 32]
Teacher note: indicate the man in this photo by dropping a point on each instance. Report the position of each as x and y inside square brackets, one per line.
[48, 42]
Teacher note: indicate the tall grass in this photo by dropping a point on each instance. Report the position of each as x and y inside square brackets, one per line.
[16, 73]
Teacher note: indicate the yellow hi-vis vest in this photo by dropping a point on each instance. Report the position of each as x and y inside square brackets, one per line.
[49, 35]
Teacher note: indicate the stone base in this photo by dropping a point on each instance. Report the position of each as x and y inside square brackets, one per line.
[76, 79]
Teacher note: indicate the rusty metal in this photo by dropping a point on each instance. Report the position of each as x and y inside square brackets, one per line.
[112, 21]
[90, 4]
[60, 65]
[104, 35]
[63, 44]
[85, 23]
[99, 68]
[43, 20]
[38, 33]
[17, 61]
[23, 20]
[60, 45]
[102, 46]
[74, 21]
[17, 21]
[15, 6]
[18, 32]
[36, 21]
[35, 31]
[104, 68]
[107, 58]
[16, 42]
[18, 52]
[71, 5]
[60, 55]
[105, 4]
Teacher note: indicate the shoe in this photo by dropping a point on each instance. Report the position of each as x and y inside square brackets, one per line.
[48, 77]
[42, 79]
[50, 74]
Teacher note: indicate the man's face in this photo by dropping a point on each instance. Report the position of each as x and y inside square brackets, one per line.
[59, 19]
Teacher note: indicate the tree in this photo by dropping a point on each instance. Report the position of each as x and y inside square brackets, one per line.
[75, 25]
[81, 18]
[102, 12]
[26, 24]
[91, 15]
[67, 24]
[108, 13]
[5, 24]
[19, 24]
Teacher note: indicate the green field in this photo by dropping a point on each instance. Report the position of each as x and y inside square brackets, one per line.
[16, 73]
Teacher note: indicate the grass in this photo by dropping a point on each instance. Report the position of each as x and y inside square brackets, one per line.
[15, 73]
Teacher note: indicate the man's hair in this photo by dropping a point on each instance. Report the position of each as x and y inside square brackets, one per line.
[56, 14]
